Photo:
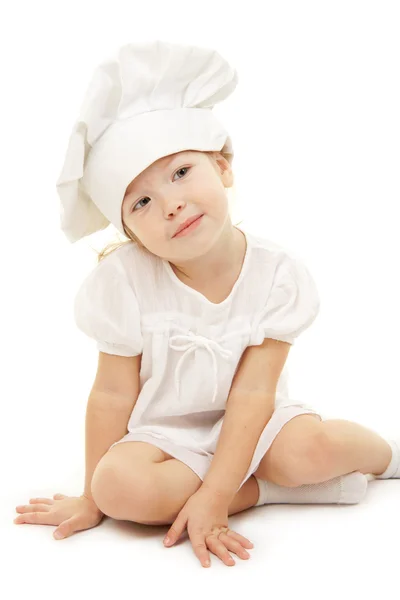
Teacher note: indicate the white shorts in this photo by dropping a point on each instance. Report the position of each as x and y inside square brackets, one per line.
[200, 463]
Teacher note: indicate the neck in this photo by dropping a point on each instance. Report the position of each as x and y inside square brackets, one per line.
[222, 261]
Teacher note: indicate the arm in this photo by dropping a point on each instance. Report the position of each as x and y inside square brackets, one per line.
[249, 407]
[111, 401]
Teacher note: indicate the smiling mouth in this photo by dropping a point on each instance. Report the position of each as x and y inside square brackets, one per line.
[187, 226]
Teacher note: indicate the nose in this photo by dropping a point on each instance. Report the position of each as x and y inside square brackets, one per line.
[172, 205]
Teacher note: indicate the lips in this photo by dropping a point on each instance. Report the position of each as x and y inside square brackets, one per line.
[186, 224]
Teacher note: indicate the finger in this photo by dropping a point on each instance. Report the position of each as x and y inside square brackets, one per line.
[42, 500]
[234, 546]
[37, 518]
[68, 527]
[242, 540]
[176, 529]
[32, 508]
[220, 550]
[200, 549]
[59, 496]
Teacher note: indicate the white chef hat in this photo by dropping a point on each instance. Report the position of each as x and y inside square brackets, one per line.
[152, 100]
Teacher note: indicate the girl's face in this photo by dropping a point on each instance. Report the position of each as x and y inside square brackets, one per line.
[173, 189]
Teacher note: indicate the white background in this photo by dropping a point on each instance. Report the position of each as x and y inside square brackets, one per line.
[315, 126]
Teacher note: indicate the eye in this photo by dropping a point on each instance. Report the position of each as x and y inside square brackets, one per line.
[147, 198]
[137, 203]
[182, 169]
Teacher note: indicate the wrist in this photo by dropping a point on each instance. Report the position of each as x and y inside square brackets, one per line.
[90, 498]
[218, 492]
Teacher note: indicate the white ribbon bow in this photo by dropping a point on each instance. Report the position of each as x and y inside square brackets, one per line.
[194, 342]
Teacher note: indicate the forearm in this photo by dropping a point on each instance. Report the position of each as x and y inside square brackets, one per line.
[244, 421]
[105, 424]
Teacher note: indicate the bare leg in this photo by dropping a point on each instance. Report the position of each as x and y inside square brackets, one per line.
[180, 482]
[355, 448]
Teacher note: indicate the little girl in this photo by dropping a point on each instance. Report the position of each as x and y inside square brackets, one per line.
[189, 419]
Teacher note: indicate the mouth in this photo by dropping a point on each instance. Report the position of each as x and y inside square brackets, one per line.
[187, 224]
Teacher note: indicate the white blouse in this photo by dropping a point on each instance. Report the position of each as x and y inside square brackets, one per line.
[133, 303]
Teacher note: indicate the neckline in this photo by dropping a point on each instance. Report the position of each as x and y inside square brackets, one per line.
[201, 296]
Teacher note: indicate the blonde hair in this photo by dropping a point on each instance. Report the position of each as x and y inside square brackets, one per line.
[131, 238]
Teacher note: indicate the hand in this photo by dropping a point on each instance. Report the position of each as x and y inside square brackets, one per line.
[206, 517]
[70, 513]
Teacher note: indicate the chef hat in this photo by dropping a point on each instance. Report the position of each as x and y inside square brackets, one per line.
[152, 100]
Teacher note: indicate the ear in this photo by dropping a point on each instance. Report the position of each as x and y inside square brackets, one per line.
[224, 169]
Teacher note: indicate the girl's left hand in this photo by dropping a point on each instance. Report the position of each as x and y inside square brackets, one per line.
[206, 517]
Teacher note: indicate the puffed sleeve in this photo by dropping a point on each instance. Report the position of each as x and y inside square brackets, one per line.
[106, 309]
[292, 304]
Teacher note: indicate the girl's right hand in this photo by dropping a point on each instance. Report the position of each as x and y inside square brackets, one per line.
[70, 513]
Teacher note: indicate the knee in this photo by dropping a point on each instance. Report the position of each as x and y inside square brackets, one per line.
[309, 460]
[119, 496]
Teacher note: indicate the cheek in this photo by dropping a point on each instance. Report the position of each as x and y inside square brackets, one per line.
[153, 236]
[215, 201]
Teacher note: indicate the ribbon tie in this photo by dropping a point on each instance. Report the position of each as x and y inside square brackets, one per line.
[192, 343]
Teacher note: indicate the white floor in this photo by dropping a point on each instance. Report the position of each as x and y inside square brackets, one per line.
[310, 551]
